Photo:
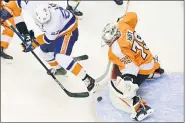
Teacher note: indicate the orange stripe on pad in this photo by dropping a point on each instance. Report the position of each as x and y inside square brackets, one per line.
[124, 102]
[137, 106]
[76, 70]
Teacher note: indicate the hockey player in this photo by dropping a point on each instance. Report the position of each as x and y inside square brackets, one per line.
[133, 64]
[12, 12]
[72, 6]
[60, 29]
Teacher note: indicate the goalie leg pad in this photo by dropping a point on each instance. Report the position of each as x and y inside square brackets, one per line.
[123, 97]
[121, 93]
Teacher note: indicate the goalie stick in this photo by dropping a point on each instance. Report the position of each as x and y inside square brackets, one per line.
[70, 94]
[100, 78]
[100, 85]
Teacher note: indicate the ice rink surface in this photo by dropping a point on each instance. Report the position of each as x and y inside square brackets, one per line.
[28, 94]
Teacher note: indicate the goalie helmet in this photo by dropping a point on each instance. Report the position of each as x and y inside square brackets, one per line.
[110, 33]
[42, 13]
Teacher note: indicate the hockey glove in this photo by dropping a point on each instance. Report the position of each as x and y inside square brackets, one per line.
[27, 38]
[28, 47]
[30, 42]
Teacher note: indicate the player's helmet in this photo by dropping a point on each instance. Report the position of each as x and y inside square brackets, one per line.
[110, 33]
[42, 13]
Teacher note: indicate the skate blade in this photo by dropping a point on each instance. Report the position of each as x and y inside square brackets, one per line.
[6, 61]
[142, 117]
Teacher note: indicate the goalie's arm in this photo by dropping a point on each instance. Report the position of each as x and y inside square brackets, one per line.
[130, 18]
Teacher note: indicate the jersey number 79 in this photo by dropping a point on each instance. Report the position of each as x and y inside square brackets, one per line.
[136, 46]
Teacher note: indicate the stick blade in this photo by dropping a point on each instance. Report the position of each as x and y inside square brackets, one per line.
[81, 58]
[77, 95]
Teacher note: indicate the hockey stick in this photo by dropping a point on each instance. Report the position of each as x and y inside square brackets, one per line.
[100, 78]
[99, 83]
[75, 6]
[81, 58]
[127, 6]
[70, 94]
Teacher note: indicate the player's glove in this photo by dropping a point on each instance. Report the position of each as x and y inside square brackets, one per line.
[27, 47]
[29, 41]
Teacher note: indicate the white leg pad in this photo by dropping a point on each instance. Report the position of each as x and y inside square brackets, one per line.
[123, 101]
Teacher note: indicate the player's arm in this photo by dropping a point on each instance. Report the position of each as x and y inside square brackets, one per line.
[130, 18]
[45, 38]
[18, 18]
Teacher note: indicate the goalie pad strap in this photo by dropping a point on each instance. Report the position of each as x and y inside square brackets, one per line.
[116, 88]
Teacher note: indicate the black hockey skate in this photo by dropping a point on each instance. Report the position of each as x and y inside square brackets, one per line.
[159, 71]
[143, 112]
[75, 12]
[4, 55]
[60, 71]
[90, 83]
[119, 2]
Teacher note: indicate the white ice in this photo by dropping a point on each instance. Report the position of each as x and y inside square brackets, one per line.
[29, 94]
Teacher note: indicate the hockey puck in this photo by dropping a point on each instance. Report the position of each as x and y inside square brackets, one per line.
[99, 99]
